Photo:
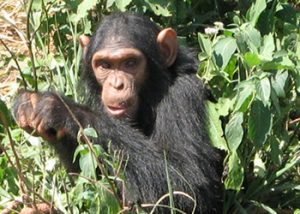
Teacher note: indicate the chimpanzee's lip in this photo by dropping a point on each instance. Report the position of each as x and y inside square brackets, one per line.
[116, 111]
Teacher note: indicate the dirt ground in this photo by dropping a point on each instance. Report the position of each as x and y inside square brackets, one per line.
[12, 27]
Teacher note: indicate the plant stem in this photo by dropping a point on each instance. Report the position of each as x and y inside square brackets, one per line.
[29, 45]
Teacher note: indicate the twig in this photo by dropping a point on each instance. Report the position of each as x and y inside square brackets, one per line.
[29, 45]
[294, 121]
[90, 145]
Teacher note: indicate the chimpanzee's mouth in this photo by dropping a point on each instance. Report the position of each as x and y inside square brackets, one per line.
[117, 111]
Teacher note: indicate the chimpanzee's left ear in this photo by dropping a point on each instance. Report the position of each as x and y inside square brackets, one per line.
[84, 41]
[167, 41]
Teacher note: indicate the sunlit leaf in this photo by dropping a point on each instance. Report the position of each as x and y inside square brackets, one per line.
[263, 90]
[223, 51]
[278, 83]
[83, 9]
[214, 127]
[267, 50]
[255, 11]
[122, 4]
[251, 37]
[234, 131]
[235, 176]
[90, 132]
[244, 96]
[252, 59]
[205, 44]
[259, 166]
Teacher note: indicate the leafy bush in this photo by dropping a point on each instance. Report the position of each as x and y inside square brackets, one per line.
[251, 65]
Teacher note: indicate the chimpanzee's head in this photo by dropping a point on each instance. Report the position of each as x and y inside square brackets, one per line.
[123, 53]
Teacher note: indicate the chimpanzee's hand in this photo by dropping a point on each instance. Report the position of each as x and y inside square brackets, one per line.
[43, 114]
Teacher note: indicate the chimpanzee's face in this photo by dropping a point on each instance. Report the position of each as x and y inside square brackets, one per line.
[120, 71]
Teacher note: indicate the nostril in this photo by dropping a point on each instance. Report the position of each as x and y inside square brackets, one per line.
[116, 81]
[118, 84]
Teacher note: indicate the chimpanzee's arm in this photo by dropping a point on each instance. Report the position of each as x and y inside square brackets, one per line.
[190, 159]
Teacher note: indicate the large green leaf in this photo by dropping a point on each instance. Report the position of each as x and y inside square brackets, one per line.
[244, 96]
[255, 11]
[260, 123]
[263, 91]
[234, 131]
[205, 44]
[267, 50]
[278, 83]
[82, 10]
[223, 51]
[235, 176]
[215, 127]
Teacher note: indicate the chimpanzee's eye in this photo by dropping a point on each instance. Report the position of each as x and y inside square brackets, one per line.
[103, 64]
[131, 63]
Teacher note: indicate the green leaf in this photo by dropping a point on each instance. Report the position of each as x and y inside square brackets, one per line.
[297, 79]
[278, 83]
[122, 4]
[215, 130]
[263, 91]
[87, 160]
[234, 131]
[260, 123]
[252, 59]
[224, 106]
[267, 50]
[109, 3]
[231, 68]
[88, 165]
[248, 38]
[159, 7]
[4, 114]
[235, 176]
[90, 132]
[205, 44]
[223, 51]
[253, 37]
[255, 11]
[244, 96]
[82, 10]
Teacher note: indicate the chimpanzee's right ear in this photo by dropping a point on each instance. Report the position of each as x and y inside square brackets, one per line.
[84, 41]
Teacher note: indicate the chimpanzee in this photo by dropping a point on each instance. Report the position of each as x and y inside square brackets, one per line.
[142, 95]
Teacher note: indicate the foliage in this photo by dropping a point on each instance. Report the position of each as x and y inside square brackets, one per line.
[254, 76]
[251, 65]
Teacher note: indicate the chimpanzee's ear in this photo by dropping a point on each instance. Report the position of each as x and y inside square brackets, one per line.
[167, 41]
[84, 41]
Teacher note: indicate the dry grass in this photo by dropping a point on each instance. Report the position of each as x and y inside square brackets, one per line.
[12, 22]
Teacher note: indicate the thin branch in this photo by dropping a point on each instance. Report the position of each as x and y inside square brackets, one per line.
[29, 45]
[90, 145]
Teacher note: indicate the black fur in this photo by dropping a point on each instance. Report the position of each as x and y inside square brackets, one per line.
[171, 120]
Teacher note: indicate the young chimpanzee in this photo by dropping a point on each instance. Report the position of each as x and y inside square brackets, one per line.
[143, 96]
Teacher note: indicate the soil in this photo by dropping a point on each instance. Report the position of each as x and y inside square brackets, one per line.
[12, 25]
